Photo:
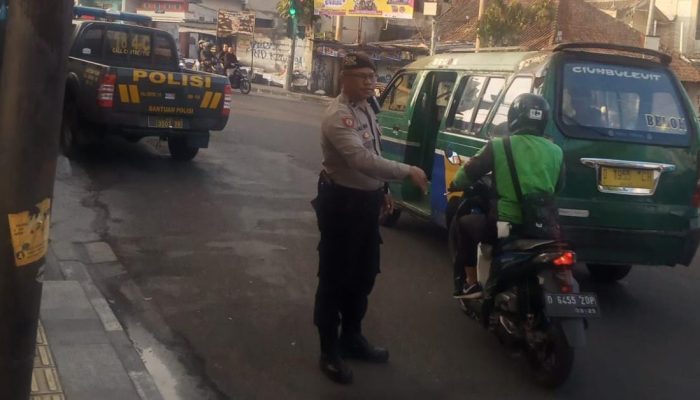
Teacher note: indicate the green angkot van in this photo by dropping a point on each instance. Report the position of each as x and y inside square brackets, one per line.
[627, 128]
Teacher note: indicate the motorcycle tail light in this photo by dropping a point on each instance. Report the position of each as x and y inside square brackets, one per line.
[566, 259]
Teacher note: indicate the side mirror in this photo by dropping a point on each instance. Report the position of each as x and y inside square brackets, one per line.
[452, 157]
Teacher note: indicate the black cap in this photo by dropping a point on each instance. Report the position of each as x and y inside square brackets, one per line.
[357, 61]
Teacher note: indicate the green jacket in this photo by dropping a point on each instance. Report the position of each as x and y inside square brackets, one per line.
[539, 164]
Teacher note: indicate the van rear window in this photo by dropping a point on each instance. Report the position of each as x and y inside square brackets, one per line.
[622, 103]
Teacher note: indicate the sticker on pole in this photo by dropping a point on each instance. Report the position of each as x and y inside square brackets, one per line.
[30, 233]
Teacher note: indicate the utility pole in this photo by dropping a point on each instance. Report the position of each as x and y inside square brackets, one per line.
[430, 9]
[31, 103]
[650, 17]
[290, 62]
[433, 34]
[292, 51]
[477, 45]
[339, 28]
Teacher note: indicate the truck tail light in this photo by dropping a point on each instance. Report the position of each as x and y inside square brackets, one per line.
[228, 95]
[105, 92]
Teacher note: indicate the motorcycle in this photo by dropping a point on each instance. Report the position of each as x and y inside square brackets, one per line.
[239, 80]
[531, 300]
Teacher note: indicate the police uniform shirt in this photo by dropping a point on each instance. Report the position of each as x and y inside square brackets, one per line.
[350, 142]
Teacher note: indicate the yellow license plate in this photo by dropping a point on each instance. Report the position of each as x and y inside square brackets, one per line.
[627, 178]
[166, 123]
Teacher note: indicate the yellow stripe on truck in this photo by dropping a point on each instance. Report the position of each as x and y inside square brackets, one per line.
[134, 91]
[215, 101]
[123, 94]
[206, 99]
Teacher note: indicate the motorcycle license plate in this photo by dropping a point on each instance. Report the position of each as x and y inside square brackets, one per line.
[571, 305]
[166, 123]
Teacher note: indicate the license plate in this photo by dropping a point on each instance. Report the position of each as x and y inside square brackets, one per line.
[571, 305]
[166, 123]
[627, 178]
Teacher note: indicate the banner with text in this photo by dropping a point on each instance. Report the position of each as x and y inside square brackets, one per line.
[229, 23]
[366, 8]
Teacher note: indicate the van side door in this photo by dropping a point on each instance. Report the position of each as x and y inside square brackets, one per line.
[395, 119]
[460, 137]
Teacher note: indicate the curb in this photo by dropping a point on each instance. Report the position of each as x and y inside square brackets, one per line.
[71, 269]
[310, 98]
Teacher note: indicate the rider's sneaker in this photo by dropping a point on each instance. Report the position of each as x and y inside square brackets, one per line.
[474, 291]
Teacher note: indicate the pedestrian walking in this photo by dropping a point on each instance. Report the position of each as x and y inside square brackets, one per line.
[351, 195]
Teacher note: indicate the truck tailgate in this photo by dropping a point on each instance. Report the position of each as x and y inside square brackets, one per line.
[169, 99]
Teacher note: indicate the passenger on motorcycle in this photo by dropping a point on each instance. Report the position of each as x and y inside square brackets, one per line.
[539, 167]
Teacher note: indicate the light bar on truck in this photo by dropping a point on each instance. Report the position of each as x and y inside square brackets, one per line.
[99, 13]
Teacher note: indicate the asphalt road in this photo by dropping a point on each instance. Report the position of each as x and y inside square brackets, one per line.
[221, 263]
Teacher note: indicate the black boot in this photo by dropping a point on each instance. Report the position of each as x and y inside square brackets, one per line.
[335, 369]
[356, 346]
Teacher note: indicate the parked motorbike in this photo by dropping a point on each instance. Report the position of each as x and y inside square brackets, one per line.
[531, 300]
[239, 80]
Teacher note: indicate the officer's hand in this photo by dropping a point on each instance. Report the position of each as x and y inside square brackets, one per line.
[388, 206]
[418, 178]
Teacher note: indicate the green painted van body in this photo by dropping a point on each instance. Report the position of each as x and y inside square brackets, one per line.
[628, 197]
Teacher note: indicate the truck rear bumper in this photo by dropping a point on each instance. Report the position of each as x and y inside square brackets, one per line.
[618, 246]
[140, 123]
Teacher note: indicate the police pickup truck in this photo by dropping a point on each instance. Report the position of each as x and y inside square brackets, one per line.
[126, 80]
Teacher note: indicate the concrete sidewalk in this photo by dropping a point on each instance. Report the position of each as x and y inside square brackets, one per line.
[279, 92]
[83, 352]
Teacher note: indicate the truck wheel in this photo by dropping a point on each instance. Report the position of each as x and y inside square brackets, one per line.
[604, 273]
[180, 150]
[70, 127]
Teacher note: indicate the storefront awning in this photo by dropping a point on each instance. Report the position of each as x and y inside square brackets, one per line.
[196, 29]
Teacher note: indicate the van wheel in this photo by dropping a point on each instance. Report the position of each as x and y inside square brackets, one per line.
[390, 220]
[70, 128]
[180, 150]
[605, 273]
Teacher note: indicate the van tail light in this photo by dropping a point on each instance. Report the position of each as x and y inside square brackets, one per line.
[696, 192]
[228, 96]
[696, 195]
[105, 92]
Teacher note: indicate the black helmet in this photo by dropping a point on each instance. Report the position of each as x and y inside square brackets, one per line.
[528, 114]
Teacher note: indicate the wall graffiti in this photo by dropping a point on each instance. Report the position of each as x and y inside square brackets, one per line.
[270, 55]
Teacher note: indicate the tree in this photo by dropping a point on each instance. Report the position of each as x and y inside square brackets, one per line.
[504, 21]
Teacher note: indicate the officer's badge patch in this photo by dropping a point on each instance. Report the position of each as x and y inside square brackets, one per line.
[349, 122]
[350, 61]
[365, 135]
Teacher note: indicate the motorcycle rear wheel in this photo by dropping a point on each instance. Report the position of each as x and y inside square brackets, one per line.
[245, 86]
[553, 359]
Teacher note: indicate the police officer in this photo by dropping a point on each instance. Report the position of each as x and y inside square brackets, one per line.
[351, 194]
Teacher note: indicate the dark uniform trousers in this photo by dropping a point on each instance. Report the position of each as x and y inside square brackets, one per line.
[348, 258]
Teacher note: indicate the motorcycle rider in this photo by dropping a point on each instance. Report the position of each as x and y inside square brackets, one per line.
[206, 57]
[230, 61]
[539, 166]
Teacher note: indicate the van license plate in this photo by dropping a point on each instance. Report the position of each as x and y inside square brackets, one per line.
[627, 178]
[166, 123]
[571, 305]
